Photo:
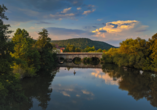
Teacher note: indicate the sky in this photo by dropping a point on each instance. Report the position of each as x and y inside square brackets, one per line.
[110, 21]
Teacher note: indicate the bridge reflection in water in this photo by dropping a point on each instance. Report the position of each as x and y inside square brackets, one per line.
[81, 65]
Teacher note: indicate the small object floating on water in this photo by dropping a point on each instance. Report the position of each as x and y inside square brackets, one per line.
[74, 72]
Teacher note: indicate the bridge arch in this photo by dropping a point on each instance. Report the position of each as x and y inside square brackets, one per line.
[61, 60]
[71, 55]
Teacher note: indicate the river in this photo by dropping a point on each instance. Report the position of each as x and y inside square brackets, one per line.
[106, 88]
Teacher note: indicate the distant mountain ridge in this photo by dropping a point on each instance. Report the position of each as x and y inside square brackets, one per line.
[82, 43]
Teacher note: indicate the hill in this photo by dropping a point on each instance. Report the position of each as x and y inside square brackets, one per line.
[82, 43]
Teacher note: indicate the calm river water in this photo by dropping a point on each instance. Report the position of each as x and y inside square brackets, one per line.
[105, 88]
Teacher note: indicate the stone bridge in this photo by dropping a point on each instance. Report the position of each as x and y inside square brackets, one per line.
[72, 55]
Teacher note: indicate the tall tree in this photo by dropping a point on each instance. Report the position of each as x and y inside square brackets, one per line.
[45, 48]
[25, 53]
[44, 41]
[5, 46]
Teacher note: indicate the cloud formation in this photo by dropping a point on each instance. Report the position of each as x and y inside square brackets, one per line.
[79, 8]
[66, 10]
[88, 12]
[108, 80]
[119, 28]
[29, 10]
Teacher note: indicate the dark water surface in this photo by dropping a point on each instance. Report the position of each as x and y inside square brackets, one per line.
[109, 88]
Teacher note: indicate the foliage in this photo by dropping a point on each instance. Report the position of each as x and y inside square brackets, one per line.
[71, 48]
[47, 59]
[5, 46]
[137, 53]
[26, 54]
[99, 50]
[89, 49]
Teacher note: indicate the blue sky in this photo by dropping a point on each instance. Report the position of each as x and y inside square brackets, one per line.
[111, 21]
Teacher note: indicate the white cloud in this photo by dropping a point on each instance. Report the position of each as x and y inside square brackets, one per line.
[117, 26]
[88, 12]
[66, 10]
[118, 30]
[79, 8]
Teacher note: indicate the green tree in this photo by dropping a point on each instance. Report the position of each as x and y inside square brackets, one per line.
[77, 50]
[89, 49]
[26, 54]
[99, 50]
[5, 46]
[47, 60]
[152, 43]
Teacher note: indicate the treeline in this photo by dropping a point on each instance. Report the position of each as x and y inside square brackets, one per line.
[23, 56]
[136, 53]
[72, 48]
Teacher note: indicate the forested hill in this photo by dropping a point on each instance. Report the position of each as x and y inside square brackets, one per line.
[82, 43]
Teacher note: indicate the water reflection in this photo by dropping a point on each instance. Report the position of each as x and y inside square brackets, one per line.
[38, 88]
[138, 85]
[11, 96]
[83, 88]
[108, 79]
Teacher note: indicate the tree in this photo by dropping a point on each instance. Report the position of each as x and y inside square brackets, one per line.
[5, 46]
[70, 48]
[133, 46]
[152, 43]
[43, 41]
[26, 54]
[99, 50]
[88, 49]
[77, 50]
[44, 46]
